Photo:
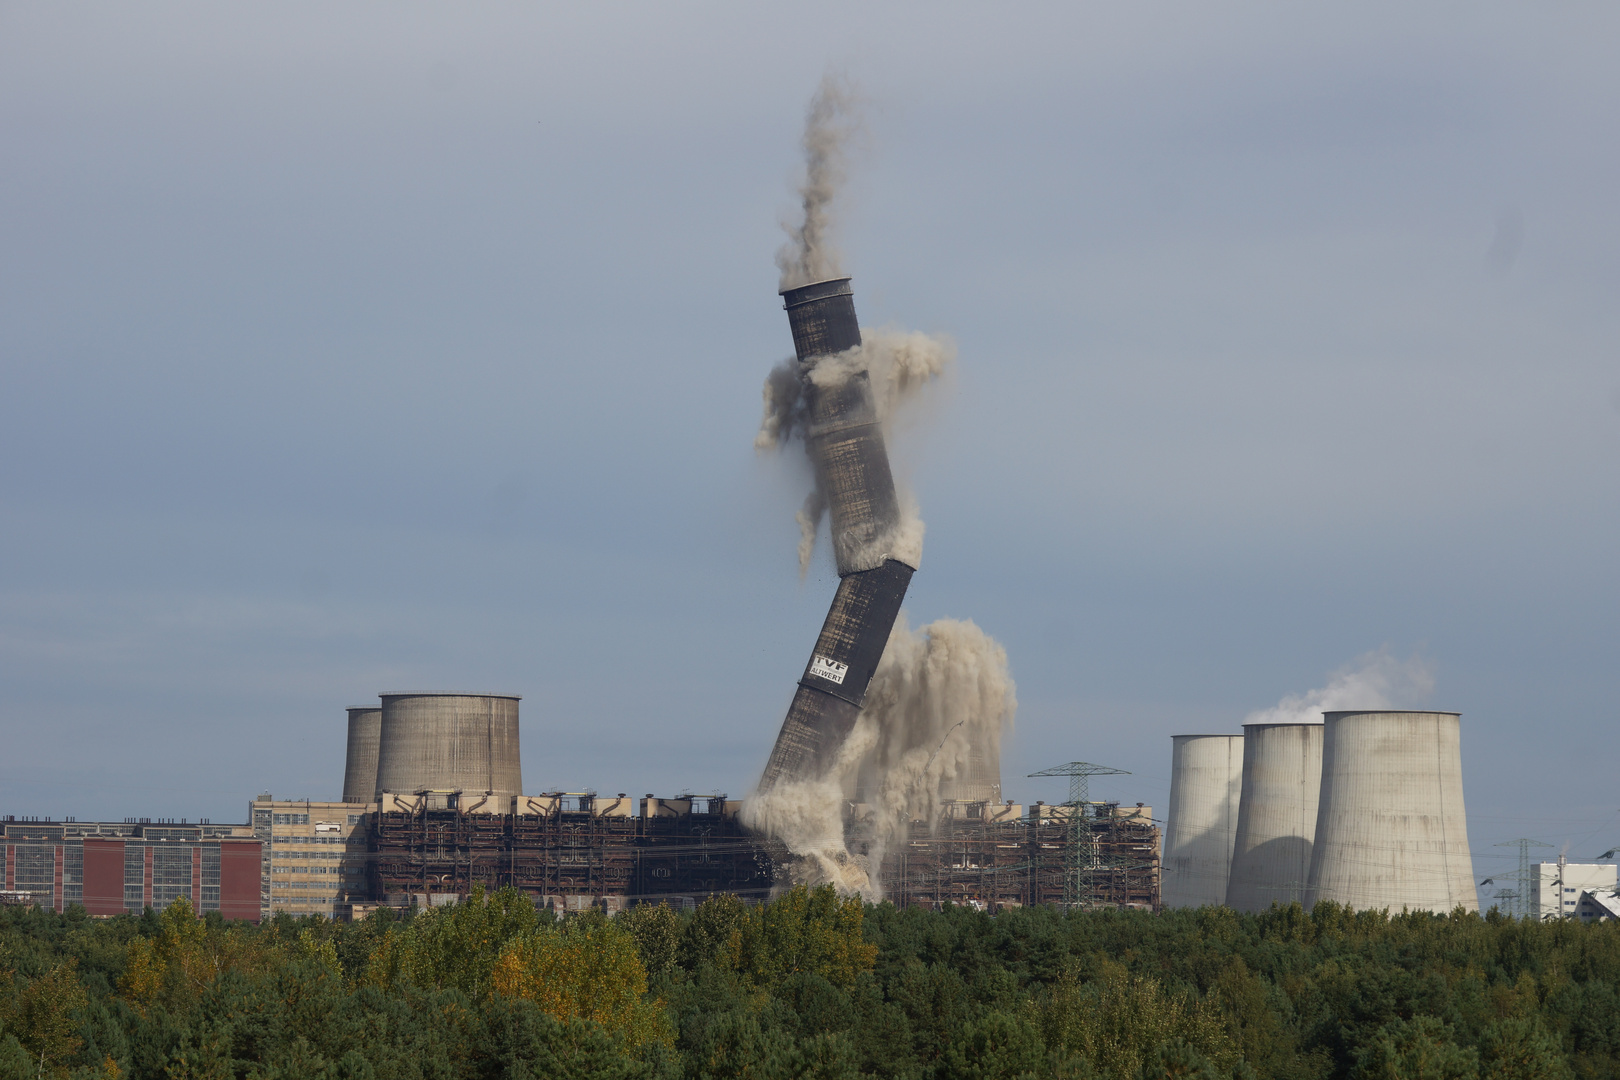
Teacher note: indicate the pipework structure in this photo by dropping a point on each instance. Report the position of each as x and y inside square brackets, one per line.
[851, 464]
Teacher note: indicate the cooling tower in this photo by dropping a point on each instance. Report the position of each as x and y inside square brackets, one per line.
[360, 763]
[1276, 821]
[1206, 774]
[1390, 827]
[449, 742]
[851, 463]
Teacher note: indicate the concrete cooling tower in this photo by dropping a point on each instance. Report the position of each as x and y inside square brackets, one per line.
[360, 763]
[1276, 822]
[449, 742]
[852, 473]
[1206, 775]
[1390, 827]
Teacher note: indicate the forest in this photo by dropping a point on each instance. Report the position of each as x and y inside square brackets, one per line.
[809, 985]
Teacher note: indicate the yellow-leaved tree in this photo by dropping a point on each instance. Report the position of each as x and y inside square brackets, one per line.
[584, 970]
[186, 955]
[453, 947]
[806, 930]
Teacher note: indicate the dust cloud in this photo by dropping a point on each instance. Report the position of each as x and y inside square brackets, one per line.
[930, 733]
[808, 254]
[898, 363]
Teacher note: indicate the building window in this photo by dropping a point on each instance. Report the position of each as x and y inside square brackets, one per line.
[171, 874]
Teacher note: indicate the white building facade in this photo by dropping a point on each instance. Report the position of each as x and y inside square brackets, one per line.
[1556, 887]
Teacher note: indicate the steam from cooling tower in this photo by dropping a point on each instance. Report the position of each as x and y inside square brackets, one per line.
[896, 719]
[1374, 680]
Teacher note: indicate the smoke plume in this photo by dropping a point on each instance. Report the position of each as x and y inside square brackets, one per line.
[899, 363]
[808, 254]
[930, 732]
[1375, 680]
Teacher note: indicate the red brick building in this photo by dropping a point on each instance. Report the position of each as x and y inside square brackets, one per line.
[112, 868]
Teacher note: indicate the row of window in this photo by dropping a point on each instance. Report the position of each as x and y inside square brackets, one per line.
[301, 819]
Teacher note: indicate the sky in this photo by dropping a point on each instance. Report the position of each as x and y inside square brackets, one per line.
[360, 347]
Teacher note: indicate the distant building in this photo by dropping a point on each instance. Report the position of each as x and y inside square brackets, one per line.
[314, 856]
[576, 850]
[568, 851]
[114, 867]
[1599, 906]
[1556, 887]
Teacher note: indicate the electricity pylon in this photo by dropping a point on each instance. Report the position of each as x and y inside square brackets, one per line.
[1081, 859]
[1521, 899]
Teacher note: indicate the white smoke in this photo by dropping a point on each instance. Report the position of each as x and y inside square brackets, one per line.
[938, 705]
[899, 363]
[1374, 680]
[808, 254]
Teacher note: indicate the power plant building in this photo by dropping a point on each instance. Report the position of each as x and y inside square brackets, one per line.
[116, 867]
[1206, 779]
[1276, 820]
[315, 856]
[1391, 831]
[1556, 887]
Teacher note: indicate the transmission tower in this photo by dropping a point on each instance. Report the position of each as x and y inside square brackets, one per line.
[1520, 897]
[1081, 856]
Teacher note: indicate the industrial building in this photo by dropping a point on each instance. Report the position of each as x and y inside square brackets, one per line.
[314, 856]
[114, 867]
[572, 850]
[1601, 905]
[992, 856]
[569, 851]
[1556, 887]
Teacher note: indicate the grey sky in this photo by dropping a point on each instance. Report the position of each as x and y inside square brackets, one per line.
[363, 347]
